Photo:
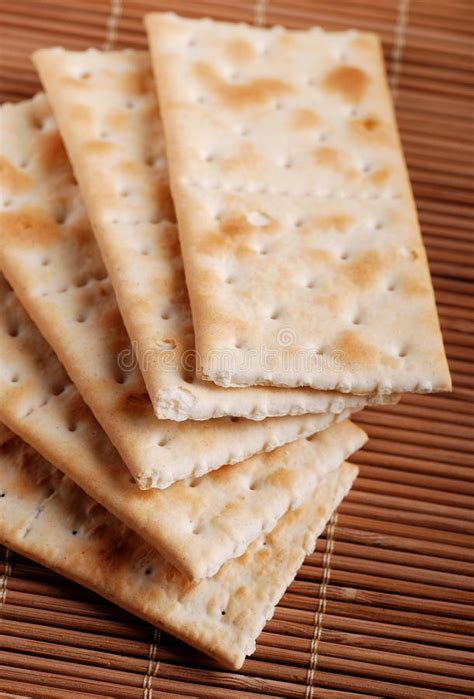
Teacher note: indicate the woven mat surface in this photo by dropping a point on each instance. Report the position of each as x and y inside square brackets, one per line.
[385, 605]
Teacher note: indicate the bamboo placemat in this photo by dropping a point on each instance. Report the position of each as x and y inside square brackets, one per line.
[384, 607]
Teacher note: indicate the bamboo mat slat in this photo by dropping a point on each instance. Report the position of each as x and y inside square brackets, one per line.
[396, 618]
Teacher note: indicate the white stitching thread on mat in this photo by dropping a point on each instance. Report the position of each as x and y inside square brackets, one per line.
[398, 45]
[260, 12]
[5, 576]
[318, 616]
[153, 665]
[112, 24]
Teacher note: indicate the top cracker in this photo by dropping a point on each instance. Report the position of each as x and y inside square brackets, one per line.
[106, 109]
[301, 245]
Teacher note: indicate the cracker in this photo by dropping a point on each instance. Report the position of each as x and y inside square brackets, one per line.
[108, 115]
[51, 258]
[288, 176]
[39, 403]
[5, 434]
[45, 516]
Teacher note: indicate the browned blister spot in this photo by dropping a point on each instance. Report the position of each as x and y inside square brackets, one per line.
[233, 225]
[331, 157]
[30, 226]
[219, 318]
[247, 157]
[99, 147]
[339, 222]
[213, 607]
[282, 477]
[370, 128]
[365, 42]
[380, 176]
[117, 119]
[236, 224]
[325, 155]
[349, 82]
[354, 351]
[80, 112]
[412, 286]
[370, 123]
[130, 167]
[240, 95]
[215, 242]
[11, 178]
[240, 50]
[365, 269]
[286, 41]
[304, 118]
[133, 82]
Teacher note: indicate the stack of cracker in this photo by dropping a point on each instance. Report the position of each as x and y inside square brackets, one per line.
[196, 292]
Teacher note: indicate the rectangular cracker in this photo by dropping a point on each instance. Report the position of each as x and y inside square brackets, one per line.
[51, 258]
[39, 403]
[288, 176]
[45, 516]
[5, 434]
[108, 115]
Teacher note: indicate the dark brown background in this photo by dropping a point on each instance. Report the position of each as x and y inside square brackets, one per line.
[398, 606]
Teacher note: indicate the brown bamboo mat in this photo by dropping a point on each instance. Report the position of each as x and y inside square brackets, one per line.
[384, 607]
